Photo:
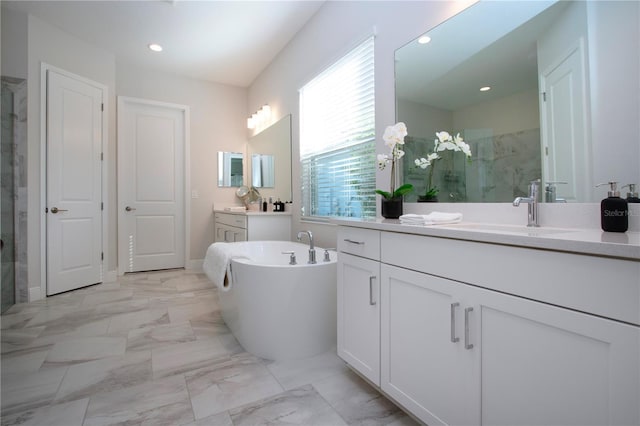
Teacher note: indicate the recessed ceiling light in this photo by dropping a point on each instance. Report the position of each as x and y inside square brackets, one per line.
[155, 47]
[485, 88]
[424, 39]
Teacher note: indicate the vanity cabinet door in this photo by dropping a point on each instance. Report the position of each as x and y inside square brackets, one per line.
[545, 365]
[229, 234]
[359, 314]
[425, 365]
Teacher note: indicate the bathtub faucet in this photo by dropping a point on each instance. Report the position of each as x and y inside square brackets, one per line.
[312, 249]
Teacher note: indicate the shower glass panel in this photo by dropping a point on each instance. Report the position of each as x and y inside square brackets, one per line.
[7, 202]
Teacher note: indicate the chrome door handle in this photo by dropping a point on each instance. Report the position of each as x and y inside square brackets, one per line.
[129, 209]
[56, 210]
[454, 339]
[467, 345]
[372, 301]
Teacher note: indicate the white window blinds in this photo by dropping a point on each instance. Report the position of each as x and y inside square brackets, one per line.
[337, 138]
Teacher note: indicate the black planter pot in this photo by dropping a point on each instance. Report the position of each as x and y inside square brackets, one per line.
[392, 209]
[424, 199]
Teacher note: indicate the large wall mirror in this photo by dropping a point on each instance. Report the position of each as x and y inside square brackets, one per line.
[270, 154]
[230, 169]
[547, 66]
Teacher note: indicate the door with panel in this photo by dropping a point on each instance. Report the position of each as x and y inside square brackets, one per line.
[73, 182]
[359, 314]
[151, 181]
[566, 143]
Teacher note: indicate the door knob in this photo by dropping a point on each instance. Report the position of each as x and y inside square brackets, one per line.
[56, 210]
[129, 209]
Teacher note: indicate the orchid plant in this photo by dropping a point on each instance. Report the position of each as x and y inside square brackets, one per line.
[394, 139]
[444, 142]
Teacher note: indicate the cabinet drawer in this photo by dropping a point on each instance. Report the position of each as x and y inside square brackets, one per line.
[360, 242]
[570, 280]
[236, 220]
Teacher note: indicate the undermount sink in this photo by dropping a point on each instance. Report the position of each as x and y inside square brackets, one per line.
[509, 229]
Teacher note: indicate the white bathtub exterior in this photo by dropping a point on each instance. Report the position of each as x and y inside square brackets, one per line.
[279, 311]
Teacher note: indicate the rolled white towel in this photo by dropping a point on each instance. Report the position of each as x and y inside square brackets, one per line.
[217, 261]
[433, 218]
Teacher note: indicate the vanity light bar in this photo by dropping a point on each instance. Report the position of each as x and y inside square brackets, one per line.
[259, 117]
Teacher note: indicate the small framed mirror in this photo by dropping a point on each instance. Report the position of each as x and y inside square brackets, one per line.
[230, 169]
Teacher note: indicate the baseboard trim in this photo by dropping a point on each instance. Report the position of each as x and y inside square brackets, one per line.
[111, 276]
[35, 293]
[194, 265]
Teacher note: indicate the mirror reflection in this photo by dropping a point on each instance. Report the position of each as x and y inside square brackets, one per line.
[263, 173]
[270, 154]
[516, 80]
[230, 171]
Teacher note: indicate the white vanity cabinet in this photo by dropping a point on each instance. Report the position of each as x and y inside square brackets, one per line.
[453, 353]
[359, 301]
[232, 227]
[475, 333]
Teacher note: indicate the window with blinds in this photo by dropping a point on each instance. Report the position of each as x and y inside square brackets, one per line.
[337, 138]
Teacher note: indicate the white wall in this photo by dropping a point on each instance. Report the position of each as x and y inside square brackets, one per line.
[218, 120]
[332, 32]
[14, 44]
[218, 123]
[50, 45]
[614, 73]
[512, 113]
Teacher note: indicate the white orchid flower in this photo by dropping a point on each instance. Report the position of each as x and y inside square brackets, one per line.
[398, 154]
[383, 159]
[394, 135]
[464, 147]
[443, 136]
[432, 157]
[448, 146]
[423, 163]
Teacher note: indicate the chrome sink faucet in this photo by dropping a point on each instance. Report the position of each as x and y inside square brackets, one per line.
[532, 203]
[312, 249]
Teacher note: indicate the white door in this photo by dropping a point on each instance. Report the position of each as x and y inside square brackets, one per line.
[151, 179]
[566, 148]
[74, 195]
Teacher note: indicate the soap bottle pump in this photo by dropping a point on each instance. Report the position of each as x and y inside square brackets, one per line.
[614, 211]
[632, 195]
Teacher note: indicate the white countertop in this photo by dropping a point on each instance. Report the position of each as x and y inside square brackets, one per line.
[252, 213]
[583, 241]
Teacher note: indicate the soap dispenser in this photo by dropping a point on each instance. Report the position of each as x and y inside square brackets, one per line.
[632, 195]
[614, 211]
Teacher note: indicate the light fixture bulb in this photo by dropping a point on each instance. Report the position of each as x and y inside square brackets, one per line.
[266, 109]
[155, 47]
[251, 124]
[424, 39]
[485, 88]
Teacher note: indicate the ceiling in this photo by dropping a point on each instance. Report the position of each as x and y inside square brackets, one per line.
[227, 42]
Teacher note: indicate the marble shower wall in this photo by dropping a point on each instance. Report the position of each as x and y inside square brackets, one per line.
[501, 168]
[14, 124]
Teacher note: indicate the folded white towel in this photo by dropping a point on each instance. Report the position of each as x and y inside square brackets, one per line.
[217, 261]
[433, 218]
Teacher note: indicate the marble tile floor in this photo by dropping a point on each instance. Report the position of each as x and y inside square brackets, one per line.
[152, 349]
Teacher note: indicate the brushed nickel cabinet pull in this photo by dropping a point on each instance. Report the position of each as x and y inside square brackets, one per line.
[467, 345]
[454, 339]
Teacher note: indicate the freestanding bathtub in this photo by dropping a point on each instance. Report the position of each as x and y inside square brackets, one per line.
[280, 311]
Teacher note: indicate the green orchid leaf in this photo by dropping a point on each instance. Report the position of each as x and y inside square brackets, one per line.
[402, 190]
[386, 195]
